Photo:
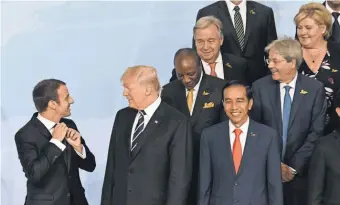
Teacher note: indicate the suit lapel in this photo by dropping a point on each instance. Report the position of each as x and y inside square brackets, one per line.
[276, 105]
[203, 95]
[41, 127]
[296, 101]
[227, 144]
[250, 22]
[182, 99]
[249, 147]
[148, 133]
[130, 118]
[224, 14]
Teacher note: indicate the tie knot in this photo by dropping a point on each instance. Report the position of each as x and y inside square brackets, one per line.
[236, 8]
[237, 132]
[212, 65]
[142, 112]
[191, 90]
[335, 15]
[287, 88]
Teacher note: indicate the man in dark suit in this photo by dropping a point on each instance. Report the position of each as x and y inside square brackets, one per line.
[150, 152]
[51, 150]
[294, 105]
[239, 159]
[333, 6]
[198, 96]
[248, 27]
[208, 36]
[324, 169]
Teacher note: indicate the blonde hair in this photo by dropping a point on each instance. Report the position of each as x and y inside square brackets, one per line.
[288, 48]
[145, 75]
[318, 13]
[207, 21]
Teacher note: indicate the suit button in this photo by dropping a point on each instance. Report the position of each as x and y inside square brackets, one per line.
[68, 194]
[130, 171]
[130, 190]
[236, 184]
[235, 201]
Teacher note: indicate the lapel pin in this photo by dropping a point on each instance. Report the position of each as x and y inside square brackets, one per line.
[156, 121]
[252, 134]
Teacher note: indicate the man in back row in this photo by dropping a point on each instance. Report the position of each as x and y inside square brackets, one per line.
[208, 35]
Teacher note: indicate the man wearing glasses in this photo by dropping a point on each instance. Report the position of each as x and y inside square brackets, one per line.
[294, 105]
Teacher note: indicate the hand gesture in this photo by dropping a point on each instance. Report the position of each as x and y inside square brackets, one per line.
[59, 131]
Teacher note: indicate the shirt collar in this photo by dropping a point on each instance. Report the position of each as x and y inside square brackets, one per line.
[48, 123]
[218, 59]
[151, 109]
[329, 8]
[242, 5]
[243, 127]
[292, 84]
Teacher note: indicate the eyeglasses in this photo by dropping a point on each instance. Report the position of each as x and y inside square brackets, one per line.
[274, 61]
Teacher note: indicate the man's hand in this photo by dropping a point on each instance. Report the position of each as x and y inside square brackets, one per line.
[287, 174]
[74, 139]
[59, 131]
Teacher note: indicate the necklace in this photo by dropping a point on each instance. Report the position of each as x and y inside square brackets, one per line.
[314, 57]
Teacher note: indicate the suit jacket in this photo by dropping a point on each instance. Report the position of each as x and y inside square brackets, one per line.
[203, 116]
[158, 172]
[324, 171]
[260, 31]
[306, 123]
[258, 180]
[234, 68]
[52, 175]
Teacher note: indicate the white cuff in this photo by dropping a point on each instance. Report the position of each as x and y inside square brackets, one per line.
[59, 144]
[82, 155]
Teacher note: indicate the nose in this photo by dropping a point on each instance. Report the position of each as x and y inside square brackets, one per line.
[186, 79]
[125, 92]
[71, 100]
[206, 46]
[271, 64]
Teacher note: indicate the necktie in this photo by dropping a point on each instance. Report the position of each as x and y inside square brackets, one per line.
[138, 130]
[239, 26]
[190, 99]
[285, 118]
[237, 149]
[212, 67]
[336, 27]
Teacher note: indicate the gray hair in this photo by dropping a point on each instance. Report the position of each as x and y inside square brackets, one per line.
[288, 48]
[207, 21]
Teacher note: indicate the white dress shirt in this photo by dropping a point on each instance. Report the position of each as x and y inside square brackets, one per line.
[331, 10]
[243, 136]
[292, 84]
[50, 126]
[197, 86]
[149, 111]
[219, 69]
[243, 12]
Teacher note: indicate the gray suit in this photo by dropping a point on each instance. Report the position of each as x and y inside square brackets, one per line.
[258, 180]
[306, 124]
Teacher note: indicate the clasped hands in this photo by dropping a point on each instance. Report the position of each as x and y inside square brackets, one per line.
[72, 136]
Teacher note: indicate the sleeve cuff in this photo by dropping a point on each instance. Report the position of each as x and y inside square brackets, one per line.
[59, 144]
[83, 154]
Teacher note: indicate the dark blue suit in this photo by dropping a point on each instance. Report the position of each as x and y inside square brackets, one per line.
[258, 180]
[306, 125]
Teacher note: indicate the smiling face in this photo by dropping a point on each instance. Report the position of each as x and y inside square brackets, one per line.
[236, 104]
[135, 93]
[310, 33]
[281, 70]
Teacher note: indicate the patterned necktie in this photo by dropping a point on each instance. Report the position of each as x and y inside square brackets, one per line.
[336, 27]
[190, 99]
[212, 67]
[237, 149]
[285, 118]
[239, 26]
[138, 130]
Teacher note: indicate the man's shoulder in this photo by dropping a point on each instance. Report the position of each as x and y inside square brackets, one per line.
[172, 113]
[171, 85]
[217, 82]
[263, 129]
[259, 6]
[265, 81]
[211, 6]
[310, 82]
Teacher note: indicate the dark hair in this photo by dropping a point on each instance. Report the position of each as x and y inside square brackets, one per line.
[238, 83]
[45, 91]
[188, 52]
[336, 100]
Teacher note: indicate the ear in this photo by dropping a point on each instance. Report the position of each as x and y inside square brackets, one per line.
[250, 105]
[148, 90]
[222, 39]
[293, 63]
[52, 104]
[322, 29]
[337, 111]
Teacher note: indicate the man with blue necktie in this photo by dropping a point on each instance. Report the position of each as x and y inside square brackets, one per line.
[299, 122]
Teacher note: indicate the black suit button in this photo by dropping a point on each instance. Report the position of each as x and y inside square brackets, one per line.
[130, 190]
[235, 201]
[130, 171]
